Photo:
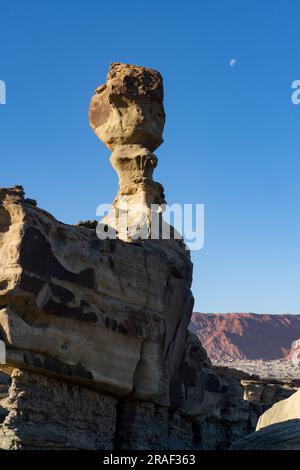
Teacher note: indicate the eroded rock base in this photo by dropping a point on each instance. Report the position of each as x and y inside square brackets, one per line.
[43, 413]
[144, 425]
[38, 412]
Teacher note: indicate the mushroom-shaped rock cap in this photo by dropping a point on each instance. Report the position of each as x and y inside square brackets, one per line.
[128, 109]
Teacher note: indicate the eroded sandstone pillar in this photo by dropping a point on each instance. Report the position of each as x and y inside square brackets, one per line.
[127, 114]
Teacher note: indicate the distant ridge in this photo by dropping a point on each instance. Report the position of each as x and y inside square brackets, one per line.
[246, 335]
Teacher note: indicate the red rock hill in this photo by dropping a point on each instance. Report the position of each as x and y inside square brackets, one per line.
[246, 335]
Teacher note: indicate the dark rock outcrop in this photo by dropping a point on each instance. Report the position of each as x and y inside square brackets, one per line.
[232, 405]
[280, 436]
[44, 413]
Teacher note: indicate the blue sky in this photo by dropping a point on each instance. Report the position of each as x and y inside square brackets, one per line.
[231, 137]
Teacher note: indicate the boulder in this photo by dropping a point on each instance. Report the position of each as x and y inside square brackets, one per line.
[128, 108]
[282, 411]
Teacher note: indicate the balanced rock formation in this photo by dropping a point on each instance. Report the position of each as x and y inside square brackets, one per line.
[98, 320]
[237, 336]
[127, 114]
[94, 331]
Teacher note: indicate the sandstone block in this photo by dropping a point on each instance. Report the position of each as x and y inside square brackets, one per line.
[282, 411]
[102, 313]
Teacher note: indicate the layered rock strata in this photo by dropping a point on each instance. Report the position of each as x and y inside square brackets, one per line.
[234, 401]
[282, 411]
[40, 412]
[105, 314]
[44, 413]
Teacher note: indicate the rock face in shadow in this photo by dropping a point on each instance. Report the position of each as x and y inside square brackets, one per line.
[142, 425]
[43, 413]
[233, 401]
[4, 386]
[280, 436]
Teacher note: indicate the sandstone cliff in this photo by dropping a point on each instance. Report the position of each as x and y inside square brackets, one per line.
[95, 328]
[103, 313]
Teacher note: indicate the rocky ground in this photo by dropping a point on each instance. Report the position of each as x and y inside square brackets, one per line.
[278, 369]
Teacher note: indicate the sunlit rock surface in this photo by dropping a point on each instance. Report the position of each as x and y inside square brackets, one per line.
[106, 314]
[127, 114]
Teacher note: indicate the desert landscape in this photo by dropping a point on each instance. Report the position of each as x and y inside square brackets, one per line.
[149, 233]
[266, 346]
[281, 369]
[98, 334]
